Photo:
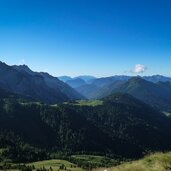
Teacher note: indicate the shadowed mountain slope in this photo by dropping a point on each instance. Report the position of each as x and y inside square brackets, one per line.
[148, 92]
[48, 89]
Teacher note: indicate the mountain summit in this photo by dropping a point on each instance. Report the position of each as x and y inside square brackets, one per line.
[148, 92]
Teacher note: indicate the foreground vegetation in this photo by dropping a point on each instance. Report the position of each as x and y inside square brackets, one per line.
[155, 162]
[45, 165]
[70, 163]
[55, 165]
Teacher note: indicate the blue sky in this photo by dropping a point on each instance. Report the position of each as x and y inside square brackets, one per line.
[87, 37]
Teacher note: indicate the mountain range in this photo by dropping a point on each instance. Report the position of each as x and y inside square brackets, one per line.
[154, 94]
[105, 81]
[41, 115]
[86, 78]
[38, 85]
[154, 90]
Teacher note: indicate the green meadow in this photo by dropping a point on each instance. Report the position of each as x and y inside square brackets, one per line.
[154, 162]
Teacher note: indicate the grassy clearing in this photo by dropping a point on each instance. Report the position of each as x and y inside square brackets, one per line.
[89, 158]
[86, 102]
[167, 114]
[90, 102]
[1, 150]
[155, 162]
[55, 165]
[30, 103]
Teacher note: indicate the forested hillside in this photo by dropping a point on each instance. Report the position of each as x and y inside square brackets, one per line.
[121, 126]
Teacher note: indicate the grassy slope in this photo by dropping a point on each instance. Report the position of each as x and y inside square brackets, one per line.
[91, 160]
[86, 102]
[90, 102]
[167, 113]
[55, 164]
[155, 162]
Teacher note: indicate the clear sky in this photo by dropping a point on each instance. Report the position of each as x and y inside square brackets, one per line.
[90, 37]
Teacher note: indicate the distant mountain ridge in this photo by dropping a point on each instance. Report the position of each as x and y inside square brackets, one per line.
[76, 82]
[157, 78]
[158, 95]
[148, 89]
[64, 78]
[86, 78]
[41, 86]
[21, 79]
[101, 81]
[98, 87]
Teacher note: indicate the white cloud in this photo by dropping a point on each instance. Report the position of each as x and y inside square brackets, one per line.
[139, 68]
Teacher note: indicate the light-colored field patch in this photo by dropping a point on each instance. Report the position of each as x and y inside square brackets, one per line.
[90, 102]
[167, 113]
[55, 165]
